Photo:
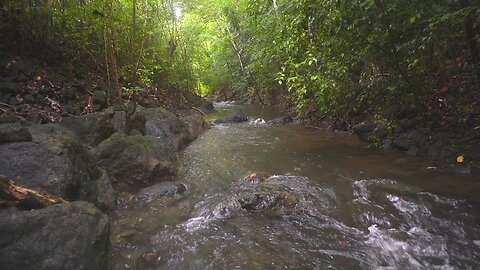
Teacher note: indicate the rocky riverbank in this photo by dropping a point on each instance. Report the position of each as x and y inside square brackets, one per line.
[90, 161]
[451, 143]
[69, 155]
[448, 148]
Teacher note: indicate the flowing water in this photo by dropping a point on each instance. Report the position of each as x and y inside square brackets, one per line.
[358, 208]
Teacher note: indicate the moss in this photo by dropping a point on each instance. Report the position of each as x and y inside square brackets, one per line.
[8, 117]
[86, 171]
[136, 143]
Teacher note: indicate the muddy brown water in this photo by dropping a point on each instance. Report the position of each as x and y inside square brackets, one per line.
[360, 208]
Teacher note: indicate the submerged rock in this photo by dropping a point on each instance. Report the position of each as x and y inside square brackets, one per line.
[149, 260]
[63, 236]
[258, 192]
[256, 177]
[263, 194]
[236, 117]
[267, 200]
[160, 190]
[135, 161]
[56, 162]
[281, 120]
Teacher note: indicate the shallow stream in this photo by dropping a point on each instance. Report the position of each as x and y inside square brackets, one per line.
[358, 208]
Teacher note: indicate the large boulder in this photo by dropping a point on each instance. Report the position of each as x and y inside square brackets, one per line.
[166, 128]
[14, 195]
[14, 132]
[235, 117]
[196, 125]
[56, 162]
[135, 161]
[63, 236]
[91, 128]
[364, 128]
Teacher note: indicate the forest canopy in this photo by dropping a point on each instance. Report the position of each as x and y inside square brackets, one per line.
[336, 57]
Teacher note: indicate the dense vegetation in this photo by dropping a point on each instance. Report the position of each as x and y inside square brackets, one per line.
[341, 58]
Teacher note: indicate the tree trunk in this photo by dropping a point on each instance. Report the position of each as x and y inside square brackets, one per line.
[110, 54]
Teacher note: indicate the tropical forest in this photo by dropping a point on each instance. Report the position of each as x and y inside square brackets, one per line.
[247, 134]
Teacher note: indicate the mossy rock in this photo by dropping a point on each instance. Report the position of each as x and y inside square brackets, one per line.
[56, 162]
[135, 161]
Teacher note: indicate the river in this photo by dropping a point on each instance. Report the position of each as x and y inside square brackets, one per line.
[358, 208]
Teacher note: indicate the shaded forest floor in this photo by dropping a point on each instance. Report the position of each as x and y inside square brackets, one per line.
[35, 92]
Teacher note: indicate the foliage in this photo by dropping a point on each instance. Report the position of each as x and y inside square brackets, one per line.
[341, 57]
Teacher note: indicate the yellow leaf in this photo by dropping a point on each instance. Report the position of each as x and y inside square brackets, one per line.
[460, 159]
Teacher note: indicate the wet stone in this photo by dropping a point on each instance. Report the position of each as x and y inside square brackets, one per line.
[14, 132]
[236, 117]
[160, 190]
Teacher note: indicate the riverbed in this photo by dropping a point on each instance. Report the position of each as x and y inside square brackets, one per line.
[359, 208]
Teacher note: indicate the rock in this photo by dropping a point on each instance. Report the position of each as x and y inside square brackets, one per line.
[100, 98]
[462, 168]
[160, 190]
[134, 161]
[13, 101]
[273, 200]
[63, 236]
[8, 117]
[196, 125]
[57, 163]
[413, 150]
[18, 68]
[281, 120]
[236, 117]
[207, 106]
[268, 194]
[376, 136]
[149, 260]
[29, 98]
[14, 195]
[407, 124]
[256, 177]
[14, 132]
[201, 103]
[401, 144]
[387, 145]
[437, 149]
[364, 127]
[119, 121]
[398, 129]
[9, 87]
[167, 128]
[91, 128]
[136, 121]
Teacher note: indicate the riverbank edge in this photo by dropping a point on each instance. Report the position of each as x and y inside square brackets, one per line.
[65, 120]
[454, 148]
